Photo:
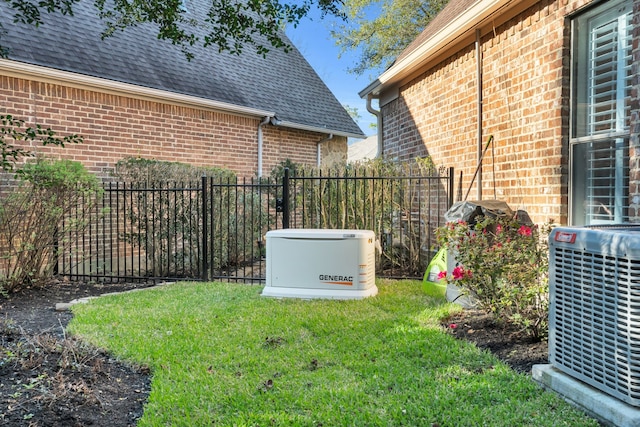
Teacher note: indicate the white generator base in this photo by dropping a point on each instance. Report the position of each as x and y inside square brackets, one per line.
[287, 292]
[320, 264]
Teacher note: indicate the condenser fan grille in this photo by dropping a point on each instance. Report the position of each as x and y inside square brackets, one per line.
[594, 321]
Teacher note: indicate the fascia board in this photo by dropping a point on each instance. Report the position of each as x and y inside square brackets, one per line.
[318, 129]
[81, 81]
[372, 88]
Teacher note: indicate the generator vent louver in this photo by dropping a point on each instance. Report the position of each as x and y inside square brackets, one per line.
[594, 322]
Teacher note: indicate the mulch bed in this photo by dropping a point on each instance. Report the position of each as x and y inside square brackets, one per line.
[49, 379]
[507, 342]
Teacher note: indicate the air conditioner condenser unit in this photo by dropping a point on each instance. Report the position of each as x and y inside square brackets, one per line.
[594, 312]
[315, 263]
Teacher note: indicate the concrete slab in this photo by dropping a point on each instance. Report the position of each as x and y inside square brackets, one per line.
[606, 409]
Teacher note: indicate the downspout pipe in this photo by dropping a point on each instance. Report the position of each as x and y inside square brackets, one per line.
[378, 123]
[319, 150]
[479, 79]
[264, 121]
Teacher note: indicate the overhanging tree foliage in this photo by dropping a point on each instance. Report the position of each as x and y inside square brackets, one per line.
[12, 130]
[229, 25]
[381, 37]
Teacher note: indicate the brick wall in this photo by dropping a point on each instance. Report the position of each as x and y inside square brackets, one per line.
[300, 148]
[115, 126]
[435, 114]
[525, 107]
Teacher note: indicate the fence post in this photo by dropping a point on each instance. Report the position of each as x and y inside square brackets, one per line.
[56, 252]
[204, 274]
[285, 199]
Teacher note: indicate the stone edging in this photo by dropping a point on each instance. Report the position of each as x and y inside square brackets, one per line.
[66, 306]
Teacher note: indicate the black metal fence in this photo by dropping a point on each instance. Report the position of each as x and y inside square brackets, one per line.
[214, 230]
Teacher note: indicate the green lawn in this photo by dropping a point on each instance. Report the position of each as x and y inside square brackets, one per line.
[222, 355]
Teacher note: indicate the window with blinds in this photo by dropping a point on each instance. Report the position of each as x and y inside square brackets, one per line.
[600, 114]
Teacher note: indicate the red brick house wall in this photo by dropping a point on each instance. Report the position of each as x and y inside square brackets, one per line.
[115, 126]
[525, 104]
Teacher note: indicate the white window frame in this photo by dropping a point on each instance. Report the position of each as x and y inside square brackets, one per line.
[600, 108]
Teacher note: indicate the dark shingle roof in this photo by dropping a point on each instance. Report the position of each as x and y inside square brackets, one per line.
[282, 82]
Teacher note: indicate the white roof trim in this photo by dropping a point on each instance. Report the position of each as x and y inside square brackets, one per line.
[463, 23]
[299, 126]
[24, 70]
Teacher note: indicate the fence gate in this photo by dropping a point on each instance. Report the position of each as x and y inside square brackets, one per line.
[214, 229]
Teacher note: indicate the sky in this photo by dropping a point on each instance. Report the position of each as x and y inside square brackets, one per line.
[313, 39]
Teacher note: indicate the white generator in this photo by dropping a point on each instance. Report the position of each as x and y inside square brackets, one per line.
[594, 311]
[314, 263]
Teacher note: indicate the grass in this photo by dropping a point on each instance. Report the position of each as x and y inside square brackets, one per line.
[223, 355]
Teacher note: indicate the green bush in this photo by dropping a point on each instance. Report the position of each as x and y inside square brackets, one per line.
[503, 265]
[59, 176]
[40, 216]
[139, 170]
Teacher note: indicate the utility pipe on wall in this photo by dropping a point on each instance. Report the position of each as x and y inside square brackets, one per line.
[318, 149]
[262, 123]
[378, 123]
[479, 79]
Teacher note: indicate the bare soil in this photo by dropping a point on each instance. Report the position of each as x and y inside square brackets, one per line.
[504, 340]
[50, 379]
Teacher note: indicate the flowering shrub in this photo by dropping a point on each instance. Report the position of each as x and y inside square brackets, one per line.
[503, 265]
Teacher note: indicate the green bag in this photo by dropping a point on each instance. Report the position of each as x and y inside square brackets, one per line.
[430, 283]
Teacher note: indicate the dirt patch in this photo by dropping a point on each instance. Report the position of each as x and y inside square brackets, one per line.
[49, 379]
[506, 341]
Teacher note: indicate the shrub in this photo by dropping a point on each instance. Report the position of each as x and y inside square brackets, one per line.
[32, 217]
[503, 265]
[138, 170]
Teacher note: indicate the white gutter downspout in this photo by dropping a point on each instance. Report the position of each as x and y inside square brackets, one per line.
[262, 123]
[479, 78]
[378, 123]
[318, 149]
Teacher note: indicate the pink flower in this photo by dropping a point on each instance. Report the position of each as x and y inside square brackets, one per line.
[458, 273]
[524, 230]
[442, 275]
[498, 228]
[453, 325]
